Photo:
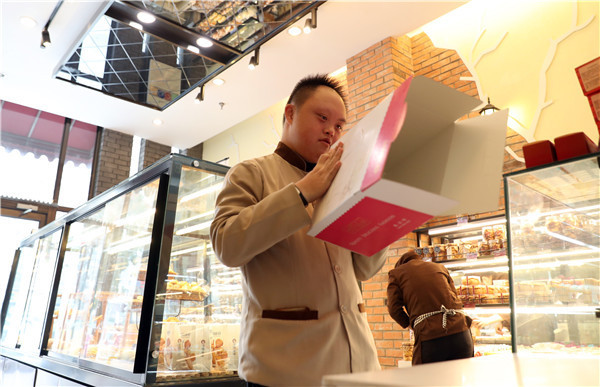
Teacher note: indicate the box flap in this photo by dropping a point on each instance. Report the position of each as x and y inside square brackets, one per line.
[392, 123]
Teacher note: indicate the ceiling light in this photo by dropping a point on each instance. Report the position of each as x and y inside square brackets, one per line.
[45, 34]
[200, 96]
[45, 39]
[254, 60]
[488, 109]
[28, 22]
[311, 22]
[146, 17]
[295, 31]
[157, 121]
[307, 28]
[136, 25]
[204, 42]
[218, 81]
[193, 49]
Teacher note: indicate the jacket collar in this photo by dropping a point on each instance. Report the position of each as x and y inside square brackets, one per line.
[286, 153]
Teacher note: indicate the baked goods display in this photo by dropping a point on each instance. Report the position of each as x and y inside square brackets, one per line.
[473, 291]
[553, 232]
[200, 327]
[493, 243]
[183, 290]
[190, 350]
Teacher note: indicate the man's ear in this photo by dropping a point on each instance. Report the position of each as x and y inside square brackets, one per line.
[289, 113]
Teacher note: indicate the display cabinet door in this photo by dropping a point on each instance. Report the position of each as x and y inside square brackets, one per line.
[17, 298]
[101, 287]
[554, 222]
[197, 328]
[31, 328]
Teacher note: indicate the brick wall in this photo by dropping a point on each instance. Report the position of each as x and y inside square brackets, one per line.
[371, 75]
[195, 151]
[151, 152]
[114, 160]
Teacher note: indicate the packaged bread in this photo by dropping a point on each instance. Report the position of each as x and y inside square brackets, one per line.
[428, 253]
[483, 248]
[470, 248]
[500, 232]
[488, 233]
[453, 251]
[439, 252]
[553, 224]
[486, 279]
[471, 280]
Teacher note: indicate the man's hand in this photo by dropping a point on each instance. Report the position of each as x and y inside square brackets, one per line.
[314, 185]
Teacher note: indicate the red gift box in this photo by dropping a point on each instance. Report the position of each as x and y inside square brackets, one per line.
[573, 145]
[588, 75]
[539, 153]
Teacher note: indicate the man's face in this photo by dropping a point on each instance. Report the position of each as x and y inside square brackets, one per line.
[314, 126]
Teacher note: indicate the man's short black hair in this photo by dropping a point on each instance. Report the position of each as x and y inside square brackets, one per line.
[307, 85]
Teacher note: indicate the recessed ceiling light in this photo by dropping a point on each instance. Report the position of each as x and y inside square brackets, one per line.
[193, 49]
[203, 42]
[146, 17]
[28, 22]
[136, 25]
[218, 81]
[295, 31]
[157, 121]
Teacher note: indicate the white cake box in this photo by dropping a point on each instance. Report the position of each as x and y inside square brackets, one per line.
[408, 160]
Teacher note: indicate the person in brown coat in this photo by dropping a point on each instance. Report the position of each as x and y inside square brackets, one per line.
[421, 295]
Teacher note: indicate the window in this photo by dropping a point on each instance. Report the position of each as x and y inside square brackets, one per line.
[30, 151]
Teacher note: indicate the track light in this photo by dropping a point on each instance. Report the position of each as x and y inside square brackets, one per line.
[311, 22]
[200, 96]
[45, 34]
[254, 60]
[45, 39]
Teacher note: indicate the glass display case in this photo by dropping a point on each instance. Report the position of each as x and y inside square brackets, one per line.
[126, 288]
[238, 24]
[553, 214]
[474, 252]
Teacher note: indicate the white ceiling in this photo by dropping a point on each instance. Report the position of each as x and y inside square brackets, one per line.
[344, 29]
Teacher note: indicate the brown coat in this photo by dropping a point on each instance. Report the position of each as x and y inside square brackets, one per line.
[301, 317]
[422, 287]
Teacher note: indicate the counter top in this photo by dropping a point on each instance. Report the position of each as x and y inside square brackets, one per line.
[511, 369]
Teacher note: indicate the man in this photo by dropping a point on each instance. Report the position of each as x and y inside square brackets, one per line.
[303, 315]
[421, 295]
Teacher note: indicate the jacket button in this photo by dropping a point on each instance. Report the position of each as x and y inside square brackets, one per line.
[343, 308]
[337, 268]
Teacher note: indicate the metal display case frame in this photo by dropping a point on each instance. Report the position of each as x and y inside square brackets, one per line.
[168, 172]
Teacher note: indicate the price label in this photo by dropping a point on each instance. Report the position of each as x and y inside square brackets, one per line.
[471, 256]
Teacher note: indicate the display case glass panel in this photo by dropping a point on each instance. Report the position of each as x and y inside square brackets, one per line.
[554, 224]
[199, 326]
[96, 315]
[17, 298]
[31, 329]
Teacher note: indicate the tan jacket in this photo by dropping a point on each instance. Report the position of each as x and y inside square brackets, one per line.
[289, 279]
